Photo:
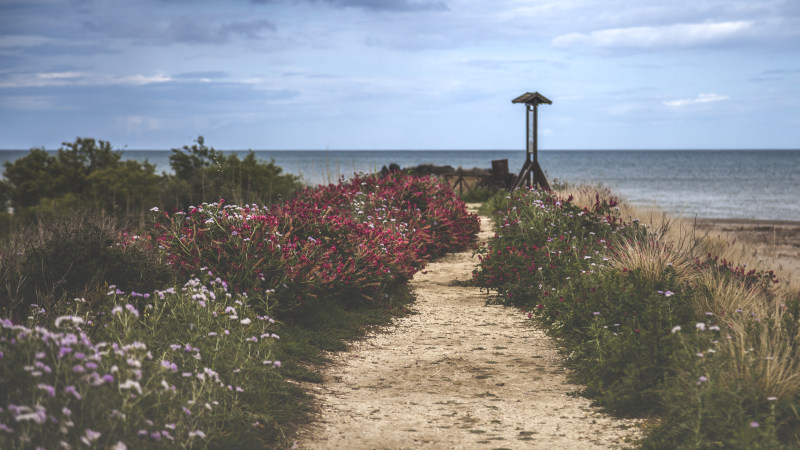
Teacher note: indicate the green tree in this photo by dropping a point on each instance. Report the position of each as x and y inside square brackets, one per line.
[127, 187]
[31, 178]
[85, 174]
[203, 174]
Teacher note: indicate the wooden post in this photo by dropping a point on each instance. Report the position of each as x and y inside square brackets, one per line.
[531, 169]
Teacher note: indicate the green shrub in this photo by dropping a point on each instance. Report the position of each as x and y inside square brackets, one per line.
[478, 195]
[202, 174]
[75, 256]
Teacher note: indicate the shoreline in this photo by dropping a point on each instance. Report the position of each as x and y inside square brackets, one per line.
[775, 243]
[735, 221]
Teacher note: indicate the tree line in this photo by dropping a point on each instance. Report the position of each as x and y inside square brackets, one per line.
[90, 175]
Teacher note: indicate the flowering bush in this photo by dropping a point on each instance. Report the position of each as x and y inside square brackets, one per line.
[197, 365]
[358, 238]
[134, 386]
[649, 330]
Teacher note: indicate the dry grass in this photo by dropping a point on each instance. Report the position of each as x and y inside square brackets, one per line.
[682, 234]
[763, 360]
[723, 295]
[653, 259]
[761, 353]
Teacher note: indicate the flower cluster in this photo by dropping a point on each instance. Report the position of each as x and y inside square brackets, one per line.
[355, 238]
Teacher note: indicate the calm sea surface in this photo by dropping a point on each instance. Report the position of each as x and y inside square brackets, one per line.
[759, 184]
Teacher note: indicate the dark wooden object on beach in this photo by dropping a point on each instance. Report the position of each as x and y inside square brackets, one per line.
[498, 178]
[531, 168]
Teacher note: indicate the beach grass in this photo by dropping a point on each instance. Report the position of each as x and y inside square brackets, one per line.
[659, 319]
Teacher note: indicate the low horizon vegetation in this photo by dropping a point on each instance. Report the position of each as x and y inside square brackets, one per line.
[656, 320]
[90, 175]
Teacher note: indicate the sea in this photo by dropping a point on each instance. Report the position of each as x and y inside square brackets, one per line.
[742, 184]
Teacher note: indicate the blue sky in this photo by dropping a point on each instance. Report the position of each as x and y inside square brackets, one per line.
[400, 74]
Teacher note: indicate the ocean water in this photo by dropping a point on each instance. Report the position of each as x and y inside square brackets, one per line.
[755, 184]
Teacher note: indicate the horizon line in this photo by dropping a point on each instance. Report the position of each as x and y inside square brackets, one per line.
[439, 150]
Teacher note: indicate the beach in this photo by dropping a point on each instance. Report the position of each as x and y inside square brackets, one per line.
[775, 242]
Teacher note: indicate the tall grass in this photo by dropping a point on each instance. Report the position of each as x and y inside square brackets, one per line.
[657, 317]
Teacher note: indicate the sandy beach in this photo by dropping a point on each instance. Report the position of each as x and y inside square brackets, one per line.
[775, 242]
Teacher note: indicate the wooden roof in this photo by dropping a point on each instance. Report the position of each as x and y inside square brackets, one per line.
[532, 98]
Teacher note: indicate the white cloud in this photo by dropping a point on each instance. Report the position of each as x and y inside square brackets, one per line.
[46, 79]
[702, 98]
[675, 35]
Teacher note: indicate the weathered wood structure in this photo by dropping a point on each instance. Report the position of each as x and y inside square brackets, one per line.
[531, 173]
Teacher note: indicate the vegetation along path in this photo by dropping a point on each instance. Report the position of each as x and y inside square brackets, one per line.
[456, 374]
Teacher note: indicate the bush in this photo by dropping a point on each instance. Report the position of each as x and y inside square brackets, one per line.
[709, 346]
[202, 174]
[75, 256]
[202, 364]
[355, 240]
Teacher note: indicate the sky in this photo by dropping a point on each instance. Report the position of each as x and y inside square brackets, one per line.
[400, 74]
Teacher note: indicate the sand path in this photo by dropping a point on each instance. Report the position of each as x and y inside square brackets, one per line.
[456, 374]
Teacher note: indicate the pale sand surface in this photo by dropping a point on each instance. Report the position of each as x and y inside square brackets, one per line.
[456, 374]
[775, 242]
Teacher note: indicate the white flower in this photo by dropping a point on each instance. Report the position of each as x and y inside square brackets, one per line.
[73, 319]
[676, 328]
[700, 326]
[197, 433]
[130, 384]
[245, 321]
[90, 437]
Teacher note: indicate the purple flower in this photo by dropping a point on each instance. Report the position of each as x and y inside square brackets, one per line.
[90, 437]
[108, 378]
[187, 411]
[754, 424]
[132, 309]
[51, 391]
[197, 433]
[71, 390]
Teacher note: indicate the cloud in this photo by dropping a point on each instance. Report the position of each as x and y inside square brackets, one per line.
[183, 30]
[72, 78]
[776, 75]
[211, 74]
[675, 35]
[700, 99]
[190, 31]
[380, 5]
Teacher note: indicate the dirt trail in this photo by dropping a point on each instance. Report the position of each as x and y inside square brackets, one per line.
[457, 374]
